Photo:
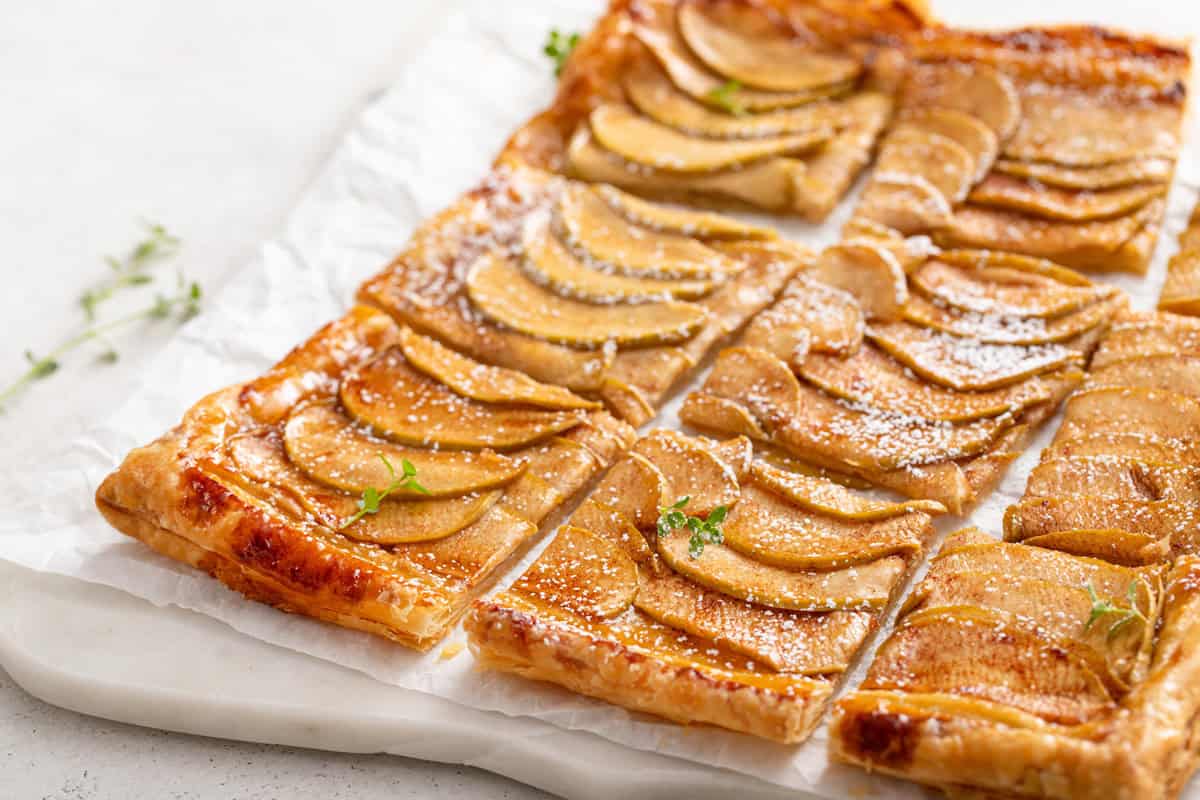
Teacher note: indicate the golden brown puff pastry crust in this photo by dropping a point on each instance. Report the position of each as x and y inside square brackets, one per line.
[1181, 291]
[235, 489]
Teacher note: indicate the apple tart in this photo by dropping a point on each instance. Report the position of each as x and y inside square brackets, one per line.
[1058, 143]
[1018, 671]
[1181, 291]
[373, 478]
[583, 286]
[774, 105]
[920, 373]
[702, 585]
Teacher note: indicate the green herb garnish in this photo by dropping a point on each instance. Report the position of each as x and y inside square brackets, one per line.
[1124, 616]
[558, 46]
[704, 531]
[372, 497]
[726, 97]
[131, 270]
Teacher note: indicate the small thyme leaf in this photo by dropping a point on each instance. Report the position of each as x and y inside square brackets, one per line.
[131, 270]
[371, 498]
[558, 47]
[1104, 608]
[703, 531]
[725, 97]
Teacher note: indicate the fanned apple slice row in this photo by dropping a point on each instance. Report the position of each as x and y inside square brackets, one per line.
[692, 77]
[973, 135]
[642, 141]
[811, 316]
[1121, 409]
[823, 496]
[691, 471]
[652, 93]
[264, 460]
[552, 264]
[1016, 194]
[968, 290]
[872, 379]
[595, 228]
[1114, 479]
[668, 219]
[758, 57]
[411, 408]
[637, 489]
[483, 382]
[1014, 267]
[975, 89]
[966, 365]
[1156, 519]
[1109, 580]
[1127, 444]
[329, 448]
[501, 291]
[1007, 329]
[724, 570]
[583, 573]
[904, 202]
[872, 275]
[1179, 374]
[909, 150]
[793, 642]
[767, 528]
[1108, 176]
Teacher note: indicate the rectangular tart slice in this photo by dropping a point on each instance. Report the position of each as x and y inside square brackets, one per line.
[701, 585]
[773, 105]
[923, 373]
[583, 286]
[373, 478]
[1023, 672]
[1181, 291]
[1058, 143]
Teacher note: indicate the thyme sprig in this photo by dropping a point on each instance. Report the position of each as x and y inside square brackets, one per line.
[131, 270]
[725, 96]
[704, 531]
[558, 47]
[372, 497]
[1105, 608]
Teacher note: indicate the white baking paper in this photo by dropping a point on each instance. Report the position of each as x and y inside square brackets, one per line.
[416, 147]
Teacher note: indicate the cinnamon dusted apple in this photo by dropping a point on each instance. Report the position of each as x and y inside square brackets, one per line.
[324, 487]
[745, 612]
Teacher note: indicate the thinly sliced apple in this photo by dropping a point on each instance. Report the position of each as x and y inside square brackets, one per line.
[904, 202]
[643, 141]
[551, 264]
[943, 162]
[1114, 479]
[756, 55]
[967, 130]
[411, 408]
[1116, 546]
[988, 262]
[1130, 444]
[1166, 334]
[668, 219]
[691, 470]
[482, 382]
[823, 496]
[756, 379]
[966, 536]
[262, 458]
[594, 227]
[636, 488]
[1109, 580]
[872, 379]
[329, 448]
[1114, 410]
[723, 569]
[500, 290]
[1084, 129]
[652, 93]
[1155, 519]
[792, 642]
[583, 573]
[1007, 329]
[975, 89]
[871, 274]
[767, 528]
[811, 316]
[606, 521]
[966, 364]
[1179, 374]
[1030, 197]
[967, 289]
[691, 76]
[714, 413]
[1108, 176]
[1181, 291]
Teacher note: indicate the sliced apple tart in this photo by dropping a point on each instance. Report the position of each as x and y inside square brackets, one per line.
[1058, 143]
[373, 478]
[1181, 291]
[1019, 671]
[923, 374]
[582, 286]
[774, 106]
[701, 585]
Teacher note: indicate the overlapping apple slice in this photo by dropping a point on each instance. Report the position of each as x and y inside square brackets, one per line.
[329, 448]
[1107, 176]
[499, 289]
[1126, 444]
[1008, 267]
[1008, 329]
[1178, 374]
[904, 202]
[824, 496]
[1114, 479]
[668, 219]
[1016, 194]
[637, 139]
[938, 159]
[1123, 409]
[1132, 337]
[982, 291]
[689, 470]
[1155, 519]
[810, 316]
[973, 135]
[974, 89]
[412, 408]
[637, 489]
[583, 573]
[1109, 580]
[869, 273]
